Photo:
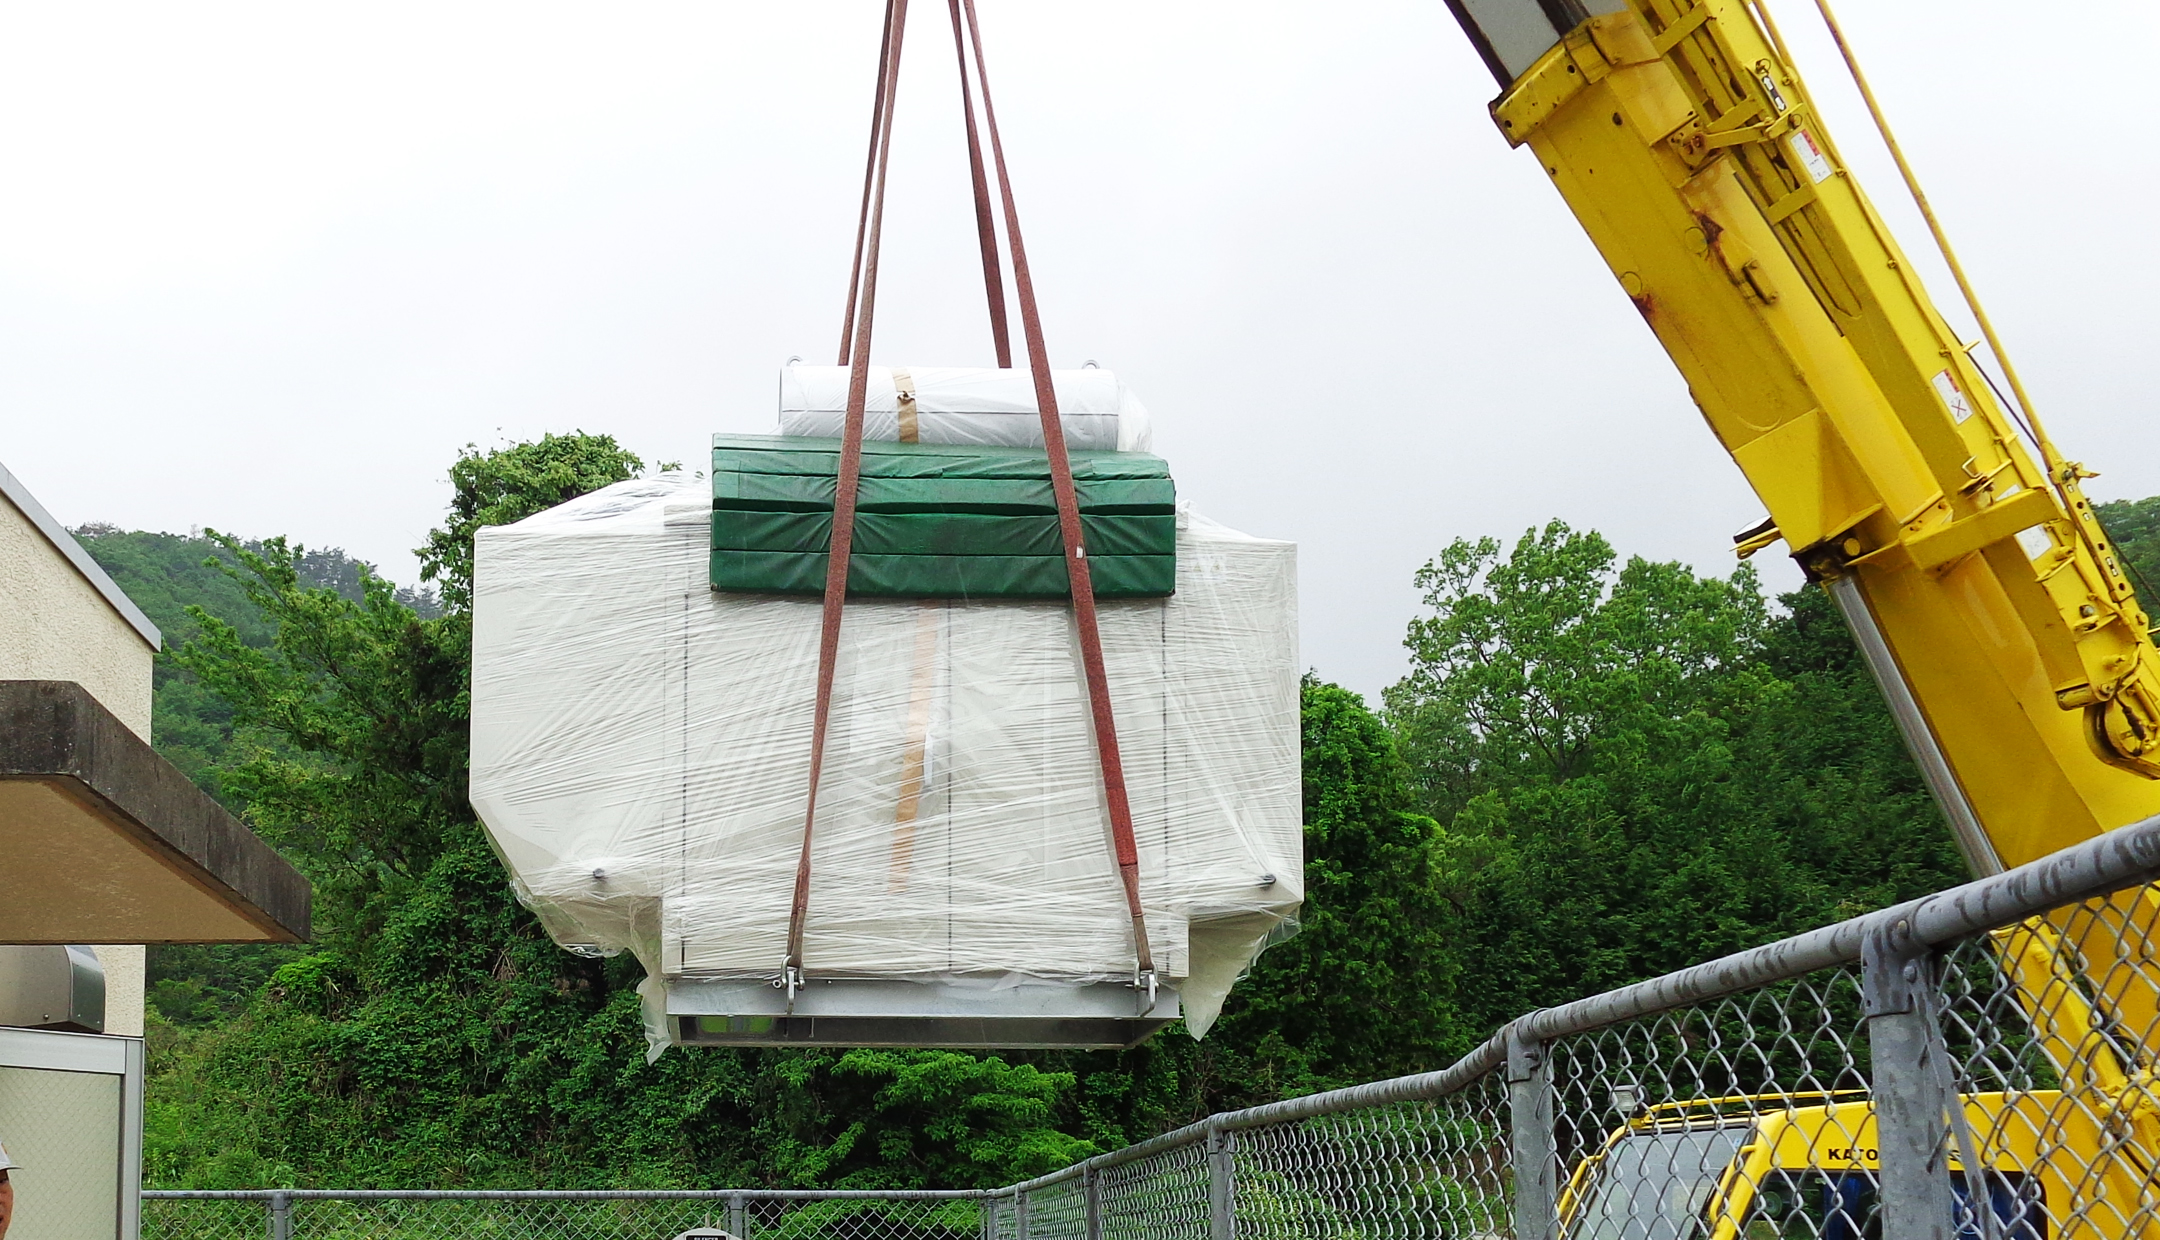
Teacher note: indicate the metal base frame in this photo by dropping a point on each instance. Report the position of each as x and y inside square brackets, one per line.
[885, 1012]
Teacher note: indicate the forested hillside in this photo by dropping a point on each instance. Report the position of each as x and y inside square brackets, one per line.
[166, 575]
[1598, 769]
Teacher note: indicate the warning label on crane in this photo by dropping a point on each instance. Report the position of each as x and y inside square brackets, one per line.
[1810, 155]
[1953, 397]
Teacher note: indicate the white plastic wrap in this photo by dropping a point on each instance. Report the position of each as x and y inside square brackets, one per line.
[640, 750]
[960, 405]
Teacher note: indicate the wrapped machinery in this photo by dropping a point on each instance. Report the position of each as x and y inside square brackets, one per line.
[644, 660]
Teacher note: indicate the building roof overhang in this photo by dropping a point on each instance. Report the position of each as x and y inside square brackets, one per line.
[104, 841]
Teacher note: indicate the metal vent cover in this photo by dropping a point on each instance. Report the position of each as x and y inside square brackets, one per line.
[52, 987]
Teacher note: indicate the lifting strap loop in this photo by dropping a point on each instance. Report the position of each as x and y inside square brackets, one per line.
[855, 354]
[843, 528]
[1123, 844]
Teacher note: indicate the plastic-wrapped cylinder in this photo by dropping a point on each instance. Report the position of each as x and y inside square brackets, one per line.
[641, 755]
[967, 405]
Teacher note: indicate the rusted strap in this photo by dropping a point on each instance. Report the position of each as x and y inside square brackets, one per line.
[985, 226]
[843, 526]
[1076, 566]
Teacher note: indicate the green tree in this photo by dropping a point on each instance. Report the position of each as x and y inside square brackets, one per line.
[466, 1049]
[357, 705]
[1362, 990]
[1528, 664]
[511, 484]
[355, 711]
[1641, 768]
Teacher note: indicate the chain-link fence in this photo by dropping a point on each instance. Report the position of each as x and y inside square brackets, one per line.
[331, 1215]
[1976, 1065]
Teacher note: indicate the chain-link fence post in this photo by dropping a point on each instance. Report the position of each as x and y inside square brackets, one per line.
[738, 1216]
[1020, 1215]
[1091, 1183]
[1222, 1184]
[1530, 1125]
[278, 1214]
[1911, 1102]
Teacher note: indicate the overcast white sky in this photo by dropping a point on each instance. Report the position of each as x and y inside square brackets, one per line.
[265, 267]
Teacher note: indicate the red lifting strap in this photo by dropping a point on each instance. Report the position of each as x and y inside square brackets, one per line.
[985, 225]
[868, 235]
[855, 353]
[1076, 565]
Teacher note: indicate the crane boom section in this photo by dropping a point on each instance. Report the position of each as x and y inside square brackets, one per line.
[1686, 144]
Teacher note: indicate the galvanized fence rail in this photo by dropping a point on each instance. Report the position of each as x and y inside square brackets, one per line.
[1974, 1065]
[599, 1214]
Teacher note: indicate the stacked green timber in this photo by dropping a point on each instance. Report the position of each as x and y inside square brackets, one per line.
[937, 520]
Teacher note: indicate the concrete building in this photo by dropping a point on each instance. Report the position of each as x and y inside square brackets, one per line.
[103, 841]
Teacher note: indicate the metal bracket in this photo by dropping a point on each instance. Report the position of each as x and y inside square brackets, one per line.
[1525, 1058]
[1146, 982]
[791, 980]
[1893, 970]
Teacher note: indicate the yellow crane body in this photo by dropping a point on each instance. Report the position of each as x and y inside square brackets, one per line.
[1685, 142]
[1978, 583]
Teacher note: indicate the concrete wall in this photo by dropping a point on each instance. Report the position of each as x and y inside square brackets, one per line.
[56, 625]
[127, 974]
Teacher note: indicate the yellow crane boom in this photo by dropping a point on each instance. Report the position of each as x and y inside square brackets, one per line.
[1979, 585]
[1987, 596]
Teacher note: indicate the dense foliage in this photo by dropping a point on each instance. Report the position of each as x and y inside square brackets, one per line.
[1595, 771]
[1642, 768]
[2135, 527]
